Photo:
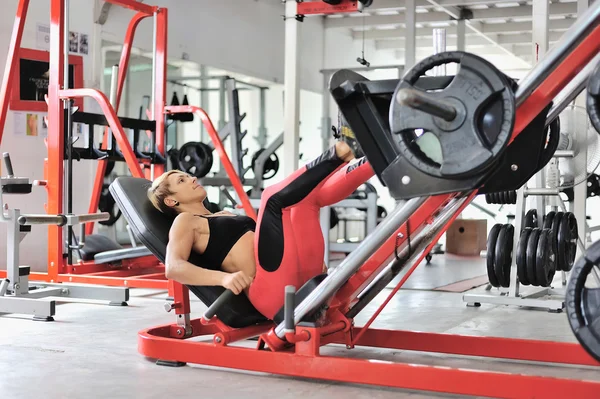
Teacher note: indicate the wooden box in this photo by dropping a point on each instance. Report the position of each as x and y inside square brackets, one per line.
[466, 237]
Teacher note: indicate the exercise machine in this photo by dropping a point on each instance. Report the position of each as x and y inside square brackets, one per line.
[17, 295]
[387, 117]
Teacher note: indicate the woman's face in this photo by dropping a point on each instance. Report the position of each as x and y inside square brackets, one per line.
[185, 188]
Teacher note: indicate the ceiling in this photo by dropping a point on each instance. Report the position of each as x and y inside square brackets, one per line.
[493, 28]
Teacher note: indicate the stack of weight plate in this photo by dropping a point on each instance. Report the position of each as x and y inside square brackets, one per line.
[540, 251]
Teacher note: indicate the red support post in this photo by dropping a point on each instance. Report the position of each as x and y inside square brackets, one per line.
[160, 84]
[123, 67]
[56, 143]
[12, 62]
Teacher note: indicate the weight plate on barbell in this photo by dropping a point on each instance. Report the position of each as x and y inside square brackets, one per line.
[567, 241]
[532, 243]
[583, 302]
[491, 253]
[480, 129]
[545, 265]
[503, 254]
[593, 98]
[521, 255]
[531, 218]
[554, 234]
[195, 158]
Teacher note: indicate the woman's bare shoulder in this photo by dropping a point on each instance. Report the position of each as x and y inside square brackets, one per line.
[186, 223]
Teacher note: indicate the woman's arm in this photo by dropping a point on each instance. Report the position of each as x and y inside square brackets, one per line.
[181, 242]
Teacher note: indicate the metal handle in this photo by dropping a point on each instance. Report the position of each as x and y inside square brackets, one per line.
[93, 217]
[59, 220]
[288, 308]
[214, 308]
[229, 197]
[8, 163]
[418, 100]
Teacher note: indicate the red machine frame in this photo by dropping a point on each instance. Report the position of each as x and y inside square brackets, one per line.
[299, 354]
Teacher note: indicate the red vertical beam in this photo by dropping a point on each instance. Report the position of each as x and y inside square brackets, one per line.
[160, 84]
[55, 136]
[11, 61]
[123, 66]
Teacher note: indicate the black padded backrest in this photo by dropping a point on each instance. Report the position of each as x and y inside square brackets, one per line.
[151, 227]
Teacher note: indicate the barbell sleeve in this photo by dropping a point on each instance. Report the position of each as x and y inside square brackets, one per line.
[418, 100]
[288, 308]
[93, 217]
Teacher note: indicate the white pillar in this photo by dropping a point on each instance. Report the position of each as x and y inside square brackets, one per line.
[540, 19]
[411, 33]
[580, 190]
[291, 112]
[460, 35]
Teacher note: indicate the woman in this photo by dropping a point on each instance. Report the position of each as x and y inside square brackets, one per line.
[283, 247]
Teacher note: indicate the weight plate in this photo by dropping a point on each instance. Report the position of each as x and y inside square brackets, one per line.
[583, 303]
[531, 218]
[545, 266]
[531, 251]
[522, 256]
[548, 220]
[491, 253]
[593, 98]
[503, 254]
[195, 158]
[271, 166]
[554, 236]
[478, 133]
[567, 237]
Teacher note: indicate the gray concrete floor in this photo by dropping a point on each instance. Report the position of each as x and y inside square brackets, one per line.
[90, 350]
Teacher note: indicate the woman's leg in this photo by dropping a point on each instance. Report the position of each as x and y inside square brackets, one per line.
[289, 243]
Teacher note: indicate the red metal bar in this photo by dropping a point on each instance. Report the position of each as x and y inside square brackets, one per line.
[154, 343]
[227, 337]
[134, 5]
[320, 8]
[558, 79]
[181, 297]
[56, 143]
[123, 68]
[113, 121]
[495, 347]
[160, 84]
[214, 136]
[12, 61]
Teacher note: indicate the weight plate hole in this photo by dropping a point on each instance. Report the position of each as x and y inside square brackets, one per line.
[461, 230]
[426, 145]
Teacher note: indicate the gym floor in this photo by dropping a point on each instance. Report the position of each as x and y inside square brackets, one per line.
[90, 350]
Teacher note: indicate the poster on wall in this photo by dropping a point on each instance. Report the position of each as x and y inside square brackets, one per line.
[78, 42]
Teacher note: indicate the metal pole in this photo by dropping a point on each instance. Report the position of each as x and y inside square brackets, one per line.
[578, 31]
[262, 126]
[325, 111]
[153, 94]
[354, 260]
[460, 35]
[291, 111]
[410, 22]
[439, 46]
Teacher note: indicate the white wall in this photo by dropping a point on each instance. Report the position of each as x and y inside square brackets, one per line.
[237, 35]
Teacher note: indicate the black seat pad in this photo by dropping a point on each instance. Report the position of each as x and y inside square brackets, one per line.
[95, 244]
[151, 227]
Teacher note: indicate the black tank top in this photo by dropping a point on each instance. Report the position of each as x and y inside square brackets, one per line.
[225, 231]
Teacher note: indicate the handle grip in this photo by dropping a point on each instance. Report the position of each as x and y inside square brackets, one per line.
[220, 301]
[8, 163]
[288, 307]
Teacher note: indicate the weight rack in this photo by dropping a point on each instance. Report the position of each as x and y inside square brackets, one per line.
[537, 297]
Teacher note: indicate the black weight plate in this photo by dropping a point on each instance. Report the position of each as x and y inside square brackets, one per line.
[472, 141]
[548, 220]
[545, 266]
[522, 256]
[195, 158]
[593, 98]
[503, 254]
[271, 166]
[531, 251]
[513, 197]
[583, 303]
[554, 235]
[567, 241]
[491, 253]
[531, 218]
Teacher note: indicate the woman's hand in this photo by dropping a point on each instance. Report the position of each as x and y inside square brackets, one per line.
[236, 282]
